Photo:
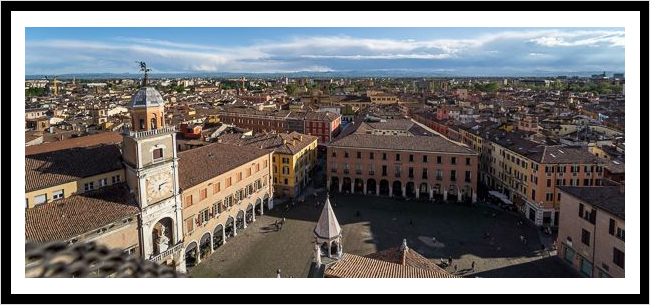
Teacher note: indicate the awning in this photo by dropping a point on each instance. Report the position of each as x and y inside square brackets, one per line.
[501, 196]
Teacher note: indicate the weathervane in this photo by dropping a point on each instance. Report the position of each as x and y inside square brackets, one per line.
[143, 67]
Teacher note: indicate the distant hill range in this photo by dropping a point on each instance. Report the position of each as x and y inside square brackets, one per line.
[329, 74]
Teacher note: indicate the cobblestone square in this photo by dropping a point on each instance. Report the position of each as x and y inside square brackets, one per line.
[459, 231]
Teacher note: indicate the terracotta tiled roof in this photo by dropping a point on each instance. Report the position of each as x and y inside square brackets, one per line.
[409, 258]
[274, 141]
[568, 154]
[66, 165]
[111, 137]
[78, 214]
[355, 266]
[322, 116]
[432, 143]
[200, 164]
[608, 198]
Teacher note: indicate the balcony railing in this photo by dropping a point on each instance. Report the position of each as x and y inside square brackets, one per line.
[371, 173]
[171, 251]
[147, 133]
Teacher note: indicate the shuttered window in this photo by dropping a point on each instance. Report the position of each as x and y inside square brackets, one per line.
[189, 225]
[581, 210]
[157, 153]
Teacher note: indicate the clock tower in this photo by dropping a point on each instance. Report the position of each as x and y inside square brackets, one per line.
[151, 163]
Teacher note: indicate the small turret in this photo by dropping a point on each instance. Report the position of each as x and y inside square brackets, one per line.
[328, 231]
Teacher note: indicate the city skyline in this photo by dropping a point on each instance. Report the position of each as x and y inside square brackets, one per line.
[447, 51]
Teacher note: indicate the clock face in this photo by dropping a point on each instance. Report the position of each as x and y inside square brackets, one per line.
[159, 186]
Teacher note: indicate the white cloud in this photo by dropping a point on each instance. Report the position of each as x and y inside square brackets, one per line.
[387, 56]
[583, 38]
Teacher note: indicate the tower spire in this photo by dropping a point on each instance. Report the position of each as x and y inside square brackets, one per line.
[328, 231]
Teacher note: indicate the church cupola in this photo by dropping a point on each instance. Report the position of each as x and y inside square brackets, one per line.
[147, 108]
[328, 232]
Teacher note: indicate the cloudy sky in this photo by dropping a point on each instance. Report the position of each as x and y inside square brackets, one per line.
[481, 51]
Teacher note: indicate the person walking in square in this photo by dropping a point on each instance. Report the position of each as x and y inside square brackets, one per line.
[472, 265]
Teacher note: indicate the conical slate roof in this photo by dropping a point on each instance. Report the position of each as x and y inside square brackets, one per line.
[147, 97]
[327, 226]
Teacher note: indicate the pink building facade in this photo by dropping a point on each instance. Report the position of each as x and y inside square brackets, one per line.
[402, 173]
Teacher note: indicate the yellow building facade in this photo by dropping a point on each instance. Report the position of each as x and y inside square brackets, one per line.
[291, 172]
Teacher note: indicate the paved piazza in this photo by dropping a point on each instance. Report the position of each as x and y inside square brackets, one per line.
[459, 232]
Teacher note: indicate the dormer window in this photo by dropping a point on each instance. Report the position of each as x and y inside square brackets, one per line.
[157, 154]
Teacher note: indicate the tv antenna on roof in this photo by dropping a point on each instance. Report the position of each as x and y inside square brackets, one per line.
[143, 67]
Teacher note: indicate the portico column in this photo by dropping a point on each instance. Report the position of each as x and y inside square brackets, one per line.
[340, 186]
[223, 234]
[329, 182]
[234, 227]
[404, 190]
[180, 263]
[430, 192]
[253, 213]
[417, 194]
[365, 188]
[352, 186]
[244, 220]
[211, 243]
[390, 191]
[198, 254]
[148, 241]
[473, 196]
[444, 194]
[377, 190]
